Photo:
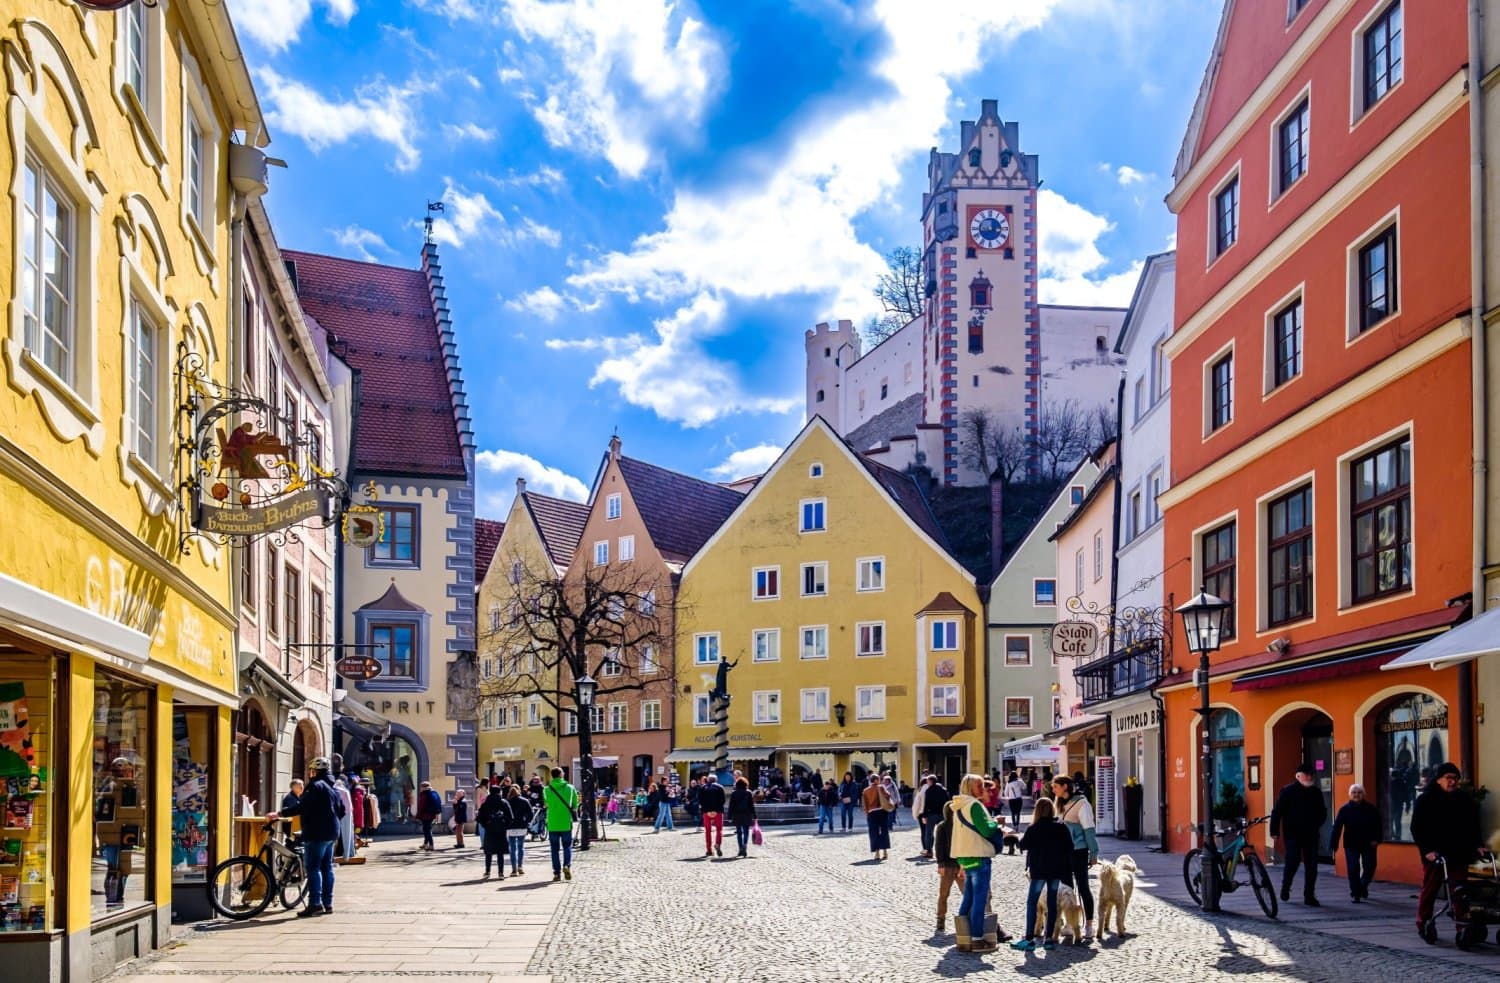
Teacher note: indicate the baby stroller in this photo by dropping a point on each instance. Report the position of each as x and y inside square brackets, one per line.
[538, 827]
[1479, 897]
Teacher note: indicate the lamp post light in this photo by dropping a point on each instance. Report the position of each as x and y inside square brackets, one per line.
[584, 688]
[839, 710]
[1203, 618]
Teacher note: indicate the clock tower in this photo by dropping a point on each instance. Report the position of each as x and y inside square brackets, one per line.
[981, 329]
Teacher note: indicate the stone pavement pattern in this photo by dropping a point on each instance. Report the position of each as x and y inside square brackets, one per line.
[401, 915]
[815, 908]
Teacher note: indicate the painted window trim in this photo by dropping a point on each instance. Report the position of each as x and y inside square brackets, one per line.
[773, 696]
[197, 105]
[1030, 712]
[1034, 595]
[1005, 662]
[826, 701]
[802, 648]
[415, 563]
[365, 618]
[717, 647]
[146, 111]
[858, 628]
[884, 710]
[755, 573]
[772, 633]
[802, 578]
[859, 567]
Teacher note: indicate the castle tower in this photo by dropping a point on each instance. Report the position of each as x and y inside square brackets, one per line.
[830, 351]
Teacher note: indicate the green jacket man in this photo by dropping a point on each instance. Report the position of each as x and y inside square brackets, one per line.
[562, 804]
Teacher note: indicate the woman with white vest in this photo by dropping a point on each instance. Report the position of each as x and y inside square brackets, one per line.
[972, 848]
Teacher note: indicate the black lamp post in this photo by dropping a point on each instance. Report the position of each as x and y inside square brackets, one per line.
[1203, 618]
[584, 688]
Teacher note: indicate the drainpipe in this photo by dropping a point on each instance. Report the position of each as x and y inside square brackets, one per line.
[1478, 348]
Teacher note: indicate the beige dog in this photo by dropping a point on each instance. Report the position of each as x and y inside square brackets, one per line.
[1116, 885]
[1069, 916]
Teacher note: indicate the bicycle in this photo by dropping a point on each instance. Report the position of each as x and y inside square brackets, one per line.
[1239, 851]
[242, 887]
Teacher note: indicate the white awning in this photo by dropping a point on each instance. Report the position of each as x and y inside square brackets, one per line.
[357, 711]
[1021, 742]
[1476, 637]
[680, 755]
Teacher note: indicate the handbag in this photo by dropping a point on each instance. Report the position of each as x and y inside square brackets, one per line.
[756, 836]
[996, 839]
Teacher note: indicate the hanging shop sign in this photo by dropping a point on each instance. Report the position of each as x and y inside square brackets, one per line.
[1074, 639]
[247, 471]
[358, 667]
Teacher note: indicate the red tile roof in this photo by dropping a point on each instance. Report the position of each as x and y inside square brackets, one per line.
[487, 533]
[380, 320]
[680, 512]
[903, 488]
[560, 523]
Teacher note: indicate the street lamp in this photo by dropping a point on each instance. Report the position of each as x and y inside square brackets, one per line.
[584, 688]
[838, 712]
[1204, 618]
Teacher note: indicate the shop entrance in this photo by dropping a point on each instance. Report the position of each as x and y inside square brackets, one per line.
[948, 764]
[1305, 736]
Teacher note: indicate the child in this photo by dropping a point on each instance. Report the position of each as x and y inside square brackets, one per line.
[1049, 860]
[949, 872]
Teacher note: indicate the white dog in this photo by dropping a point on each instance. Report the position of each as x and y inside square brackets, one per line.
[1069, 916]
[1116, 885]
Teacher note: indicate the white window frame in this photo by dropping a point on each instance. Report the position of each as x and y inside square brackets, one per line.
[1268, 380]
[1230, 177]
[1208, 388]
[1078, 572]
[821, 513]
[647, 605]
[820, 702]
[612, 506]
[1154, 490]
[876, 695]
[201, 228]
[1005, 713]
[1005, 662]
[627, 549]
[1098, 555]
[612, 666]
[859, 632]
[703, 711]
[946, 626]
[601, 553]
[71, 406]
[766, 706]
[802, 643]
[706, 642]
[1357, 109]
[619, 717]
[1135, 515]
[869, 564]
[649, 665]
[815, 469]
[817, 567]
[146, 294]
[533, 713]
[1353, 332]
[946, 692]
[755, 594]
[1076, 495]
[1275, 191]
[647, 708]
[143, 100]
[773, 644]
[1036, 602]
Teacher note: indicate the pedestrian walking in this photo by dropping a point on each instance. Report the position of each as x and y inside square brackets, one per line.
[1015, 797]
[711, 801]
[663, 809]
[515, 830]
[1297, 818]
[494, 818]
[460, 817]
[742, 813]
[893, 794]
[562, 810]
[345, 844]
[972, 847]
[949, 872]
[1048, 846]
[848, 797]
[694, 810]
[927, 810]
[1445, 826]
[429, 811]
[828, 798]
[1358, 822]
[1075, 813]
[321, 810]
[877, 803]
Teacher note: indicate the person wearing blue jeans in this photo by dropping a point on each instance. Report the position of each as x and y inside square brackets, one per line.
[828, 797]
[1048, 846]
[317, 857]
[849, 792]
[561, 842]
[664, 816]
[321, 808]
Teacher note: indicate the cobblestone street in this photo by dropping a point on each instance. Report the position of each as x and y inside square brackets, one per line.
[808, 907]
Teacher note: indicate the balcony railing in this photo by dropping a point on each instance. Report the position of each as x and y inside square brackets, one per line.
[1133, 668]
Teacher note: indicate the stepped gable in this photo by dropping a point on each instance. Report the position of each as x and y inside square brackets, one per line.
[380, 320]
[680, 512]
[487, 533]
[560, 523]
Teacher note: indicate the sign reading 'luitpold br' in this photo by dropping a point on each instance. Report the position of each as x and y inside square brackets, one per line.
[1074, 639]
[311, 502]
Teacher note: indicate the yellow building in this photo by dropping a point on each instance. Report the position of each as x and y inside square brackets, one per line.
[117, 677]
[518, 730]
[853, 632]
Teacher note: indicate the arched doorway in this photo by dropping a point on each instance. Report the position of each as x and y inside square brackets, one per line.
[306, 745]
[255, 748]
[1411, 740]
[1301, 736]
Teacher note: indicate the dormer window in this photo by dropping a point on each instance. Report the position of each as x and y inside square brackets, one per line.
[974, 157]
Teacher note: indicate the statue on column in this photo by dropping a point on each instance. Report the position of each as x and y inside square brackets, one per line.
[720, 692]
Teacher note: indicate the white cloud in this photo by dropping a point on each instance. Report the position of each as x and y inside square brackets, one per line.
[496, 473]
[747, 462]
[543, 177]
[469, 215]
[1069, 259]
[468, 131]
[379, 109]
[1128, 175]
[277, 23]
[629, 71]
[543, 302]
[454, 10]
[544, 234]
[361, 241]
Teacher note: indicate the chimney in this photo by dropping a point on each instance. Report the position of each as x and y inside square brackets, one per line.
[614, 447]
[520, 485]
[997, 523]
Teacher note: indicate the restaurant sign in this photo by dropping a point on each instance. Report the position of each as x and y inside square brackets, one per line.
[1074, 639]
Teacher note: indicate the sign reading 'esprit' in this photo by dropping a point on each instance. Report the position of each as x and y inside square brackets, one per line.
[1074, 639]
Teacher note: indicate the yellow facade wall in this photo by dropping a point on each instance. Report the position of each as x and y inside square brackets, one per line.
[862, 522]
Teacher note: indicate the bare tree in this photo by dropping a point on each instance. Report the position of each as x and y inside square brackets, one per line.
[1062, 438]
[1104, 425]
[989, 447]
[901, 291]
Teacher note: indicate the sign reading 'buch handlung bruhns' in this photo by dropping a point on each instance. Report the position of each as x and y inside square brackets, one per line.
[310, 503]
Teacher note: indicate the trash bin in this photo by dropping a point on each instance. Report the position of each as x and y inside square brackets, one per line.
[1135, 811]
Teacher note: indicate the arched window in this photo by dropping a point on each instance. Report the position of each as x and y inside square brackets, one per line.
[1411, 740]
[1226, 731]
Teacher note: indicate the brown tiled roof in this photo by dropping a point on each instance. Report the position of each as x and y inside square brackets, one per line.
[487, 533]
[903, 488]
[380, 320]
[560, 523]
[680, 511]
[943, 603]
[391, 600]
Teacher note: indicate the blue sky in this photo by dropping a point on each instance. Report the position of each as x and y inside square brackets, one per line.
[647, 202]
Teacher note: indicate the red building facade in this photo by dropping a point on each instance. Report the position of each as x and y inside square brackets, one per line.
[1321, 412]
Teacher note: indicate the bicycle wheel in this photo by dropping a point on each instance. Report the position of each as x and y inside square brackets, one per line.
[1192, 874]
[1260, 883]
[293, 885]
[241, 887]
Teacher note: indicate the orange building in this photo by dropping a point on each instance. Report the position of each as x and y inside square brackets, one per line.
[1321, 415]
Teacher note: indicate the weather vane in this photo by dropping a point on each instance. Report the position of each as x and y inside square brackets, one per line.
[432, 206]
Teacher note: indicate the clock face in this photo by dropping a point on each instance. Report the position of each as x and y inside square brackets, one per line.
[989, 228]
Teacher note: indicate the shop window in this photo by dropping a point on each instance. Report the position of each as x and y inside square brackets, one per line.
[120, 871]
[27, 891]
[191, 735]
[1411, 740]
[1227, 741]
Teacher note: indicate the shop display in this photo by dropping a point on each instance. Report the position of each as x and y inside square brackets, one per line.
[25, 875]
[190, 796]
[122, 779]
